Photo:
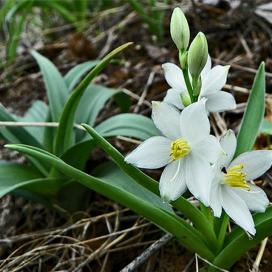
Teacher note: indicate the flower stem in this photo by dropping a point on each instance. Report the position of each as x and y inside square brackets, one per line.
[199, 220]
[188, 84]
[222, 230]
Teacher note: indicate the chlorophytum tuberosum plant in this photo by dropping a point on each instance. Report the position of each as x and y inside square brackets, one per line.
[219, 173]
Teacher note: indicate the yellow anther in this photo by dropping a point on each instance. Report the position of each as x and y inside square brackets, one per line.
[179, 149]
[235, 177]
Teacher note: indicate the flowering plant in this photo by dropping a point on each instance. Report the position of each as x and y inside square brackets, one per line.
[217, 172]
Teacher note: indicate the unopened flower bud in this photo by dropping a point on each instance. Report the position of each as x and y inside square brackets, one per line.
[197, 55]
[183, 59]
[179, 29]
[186, 101]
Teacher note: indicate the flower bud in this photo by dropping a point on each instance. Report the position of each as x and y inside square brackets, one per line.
[197, 55]
[179, 29]
[186, 101]
[183, 59]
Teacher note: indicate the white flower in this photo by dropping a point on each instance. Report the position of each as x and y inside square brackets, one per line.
[186, 149]
[213, 80]
[230, 189]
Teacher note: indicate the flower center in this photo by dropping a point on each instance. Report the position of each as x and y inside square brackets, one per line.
[179, 149]
[235, 177]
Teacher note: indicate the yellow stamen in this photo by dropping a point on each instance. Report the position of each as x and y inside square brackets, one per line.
[235, 177]
[179, 149]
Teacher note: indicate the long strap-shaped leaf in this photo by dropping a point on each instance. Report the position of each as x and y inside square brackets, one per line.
[239, 242]
[199, 220]
[253, 115]
[65, 129]
[56, 89]
[169, 222]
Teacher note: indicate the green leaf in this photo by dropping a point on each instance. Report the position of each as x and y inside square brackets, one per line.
[59, 7]
[19, 135]
[108, 171]
[78, 154]
[169, 222]
[75, 74]
[15, 134]
[45, 187]
[56, 89]
[199, 220]
[64, 138]
[239, 243]
[266, 127]
[14, 176]
[128, 124]
[123, 101]
[36, 113]
[6, 7]
[253, 115]
[92, 102]
[81, 8]
[15, 29]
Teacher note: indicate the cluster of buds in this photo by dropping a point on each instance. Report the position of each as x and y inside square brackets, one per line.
[196, 57]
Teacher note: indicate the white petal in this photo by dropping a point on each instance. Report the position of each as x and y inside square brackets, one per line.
[214, 80]
[172, 181]
[237, 209]
[209, 148]
[151, 154]
[207, 67]
[255, 199]
[220, 101]
[174, 76]
[194, 122]
[255, 163]
[198, 177]
[228, 142]
[215, 201]
[173, 98]
[166, 119]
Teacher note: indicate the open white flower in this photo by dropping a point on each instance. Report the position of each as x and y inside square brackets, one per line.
[186, 149]
[213, 80]
[230, 188]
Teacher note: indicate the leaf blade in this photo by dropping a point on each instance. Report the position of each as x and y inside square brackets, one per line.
[253, 115]
[56, 89]
[171, 223]
[65, 129]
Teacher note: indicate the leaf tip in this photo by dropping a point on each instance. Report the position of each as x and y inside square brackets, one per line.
[262, 67]
[10, 146]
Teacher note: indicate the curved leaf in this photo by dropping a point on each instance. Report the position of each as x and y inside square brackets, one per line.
[19, 135]
[198, 218]
[266, 127]
[36, 113]
[108, 171]
[253, 115]
[128, 124]
[239, 242]
[78, 154]
[15, 134]
[65, 130]
[56, 89]
[73, 77]
[169, 222]
[14, 176]
[92, 102]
